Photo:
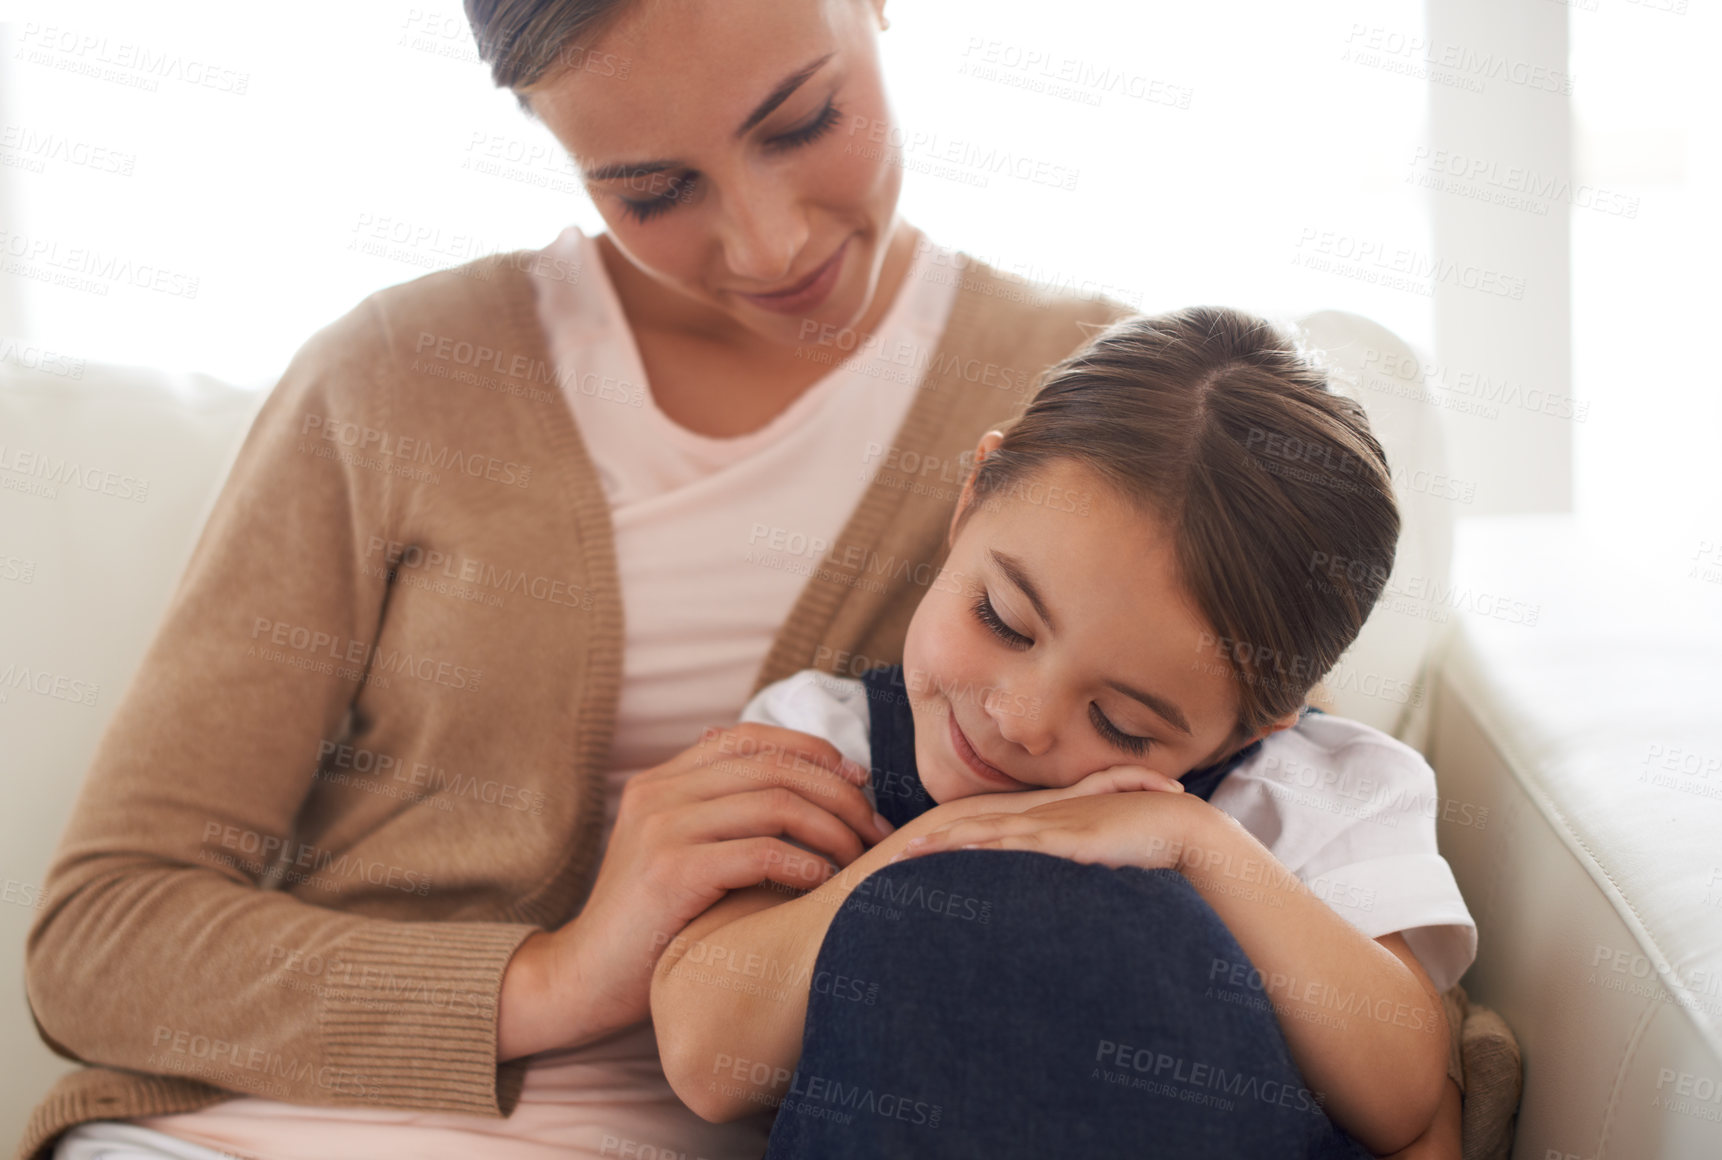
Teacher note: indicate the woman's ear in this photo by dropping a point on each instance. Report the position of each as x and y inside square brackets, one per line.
[988, 444]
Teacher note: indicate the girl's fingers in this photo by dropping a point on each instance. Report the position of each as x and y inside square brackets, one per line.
[967, 832]
[1119, 778]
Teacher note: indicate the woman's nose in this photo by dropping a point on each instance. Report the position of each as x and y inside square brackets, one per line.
[764, 233]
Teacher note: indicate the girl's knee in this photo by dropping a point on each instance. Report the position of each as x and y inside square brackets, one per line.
[1030, 895]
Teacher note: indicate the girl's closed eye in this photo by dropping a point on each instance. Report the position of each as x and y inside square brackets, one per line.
[1129, 742]
[681, 188]
[989, 616]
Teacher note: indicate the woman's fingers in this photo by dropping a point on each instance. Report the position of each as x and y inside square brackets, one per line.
[776, 811]
[782, 759]
[743, 862]
[788, 748]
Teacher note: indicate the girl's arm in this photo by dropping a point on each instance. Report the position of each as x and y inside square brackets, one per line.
[1361, 1017]
[1363, 1021]
[729, 993]
[1443, 1138]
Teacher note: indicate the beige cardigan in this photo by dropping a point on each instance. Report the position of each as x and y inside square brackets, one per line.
[344, 748]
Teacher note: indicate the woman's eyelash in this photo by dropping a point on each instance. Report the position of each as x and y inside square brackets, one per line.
[1128, 742]
[988, 615]
[649, 208]
[812, 131]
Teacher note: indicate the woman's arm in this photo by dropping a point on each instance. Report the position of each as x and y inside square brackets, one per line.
[1362, 1019]
[703, 823]
[162, 949]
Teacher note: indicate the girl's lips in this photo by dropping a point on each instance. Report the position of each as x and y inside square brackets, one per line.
[966, 753]
[810, 293]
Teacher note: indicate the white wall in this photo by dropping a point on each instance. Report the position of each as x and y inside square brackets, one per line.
[1214, 149]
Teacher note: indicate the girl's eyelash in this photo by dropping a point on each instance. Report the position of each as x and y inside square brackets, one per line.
[1128, 742]
[988, 615]
[649, 208]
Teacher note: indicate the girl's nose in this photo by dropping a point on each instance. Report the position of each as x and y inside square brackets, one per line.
[1032, 733]
[764, 233]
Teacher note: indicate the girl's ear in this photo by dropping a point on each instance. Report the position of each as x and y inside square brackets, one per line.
[988, 444]
[1285, 722]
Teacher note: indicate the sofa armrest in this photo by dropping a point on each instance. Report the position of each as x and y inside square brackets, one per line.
[1578, 745]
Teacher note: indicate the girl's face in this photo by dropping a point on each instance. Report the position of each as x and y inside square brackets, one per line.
[1055, 644]
[740, 154]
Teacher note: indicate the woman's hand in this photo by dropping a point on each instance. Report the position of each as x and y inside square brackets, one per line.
[1123, 816]
[710, 820]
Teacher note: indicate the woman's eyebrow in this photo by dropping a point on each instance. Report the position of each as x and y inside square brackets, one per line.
[782, 93]
[785, 89]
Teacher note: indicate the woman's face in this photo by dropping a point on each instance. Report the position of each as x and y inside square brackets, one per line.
[736, 149]
[1059, 640]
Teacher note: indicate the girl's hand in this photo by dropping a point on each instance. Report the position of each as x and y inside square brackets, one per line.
[710, 820]
[1123, 816]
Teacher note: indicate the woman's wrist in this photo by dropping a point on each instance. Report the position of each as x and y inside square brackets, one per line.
[524, 1003]
[554, 993]
[545, 1003]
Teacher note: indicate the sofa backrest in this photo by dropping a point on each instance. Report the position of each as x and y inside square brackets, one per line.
[1383, 679]
[106, 476]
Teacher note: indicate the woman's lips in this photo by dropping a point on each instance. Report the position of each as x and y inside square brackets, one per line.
[807, 294]
[966, 753]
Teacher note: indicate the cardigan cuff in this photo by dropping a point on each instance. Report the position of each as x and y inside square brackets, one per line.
[411, 1021]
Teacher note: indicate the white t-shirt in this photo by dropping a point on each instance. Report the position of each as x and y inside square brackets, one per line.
[1347, 808]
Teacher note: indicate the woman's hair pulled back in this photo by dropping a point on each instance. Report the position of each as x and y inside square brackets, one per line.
[524, 41]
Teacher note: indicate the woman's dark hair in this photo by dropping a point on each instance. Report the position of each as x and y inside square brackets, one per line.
[523, 41]
[1278, 496]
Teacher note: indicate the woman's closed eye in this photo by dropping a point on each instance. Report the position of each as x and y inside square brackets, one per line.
[681, 187]
[810, 132]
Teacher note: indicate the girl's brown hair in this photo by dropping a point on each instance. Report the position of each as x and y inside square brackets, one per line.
[1278, 496]
[523, 41]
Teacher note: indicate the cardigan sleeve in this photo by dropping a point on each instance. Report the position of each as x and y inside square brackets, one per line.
[162, 945]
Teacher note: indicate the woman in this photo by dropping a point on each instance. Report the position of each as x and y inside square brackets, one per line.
[399, 796]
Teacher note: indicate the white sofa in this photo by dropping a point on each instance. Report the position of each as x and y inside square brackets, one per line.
[1561, 853]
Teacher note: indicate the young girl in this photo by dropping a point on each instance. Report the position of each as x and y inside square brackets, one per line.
[1112, 667]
